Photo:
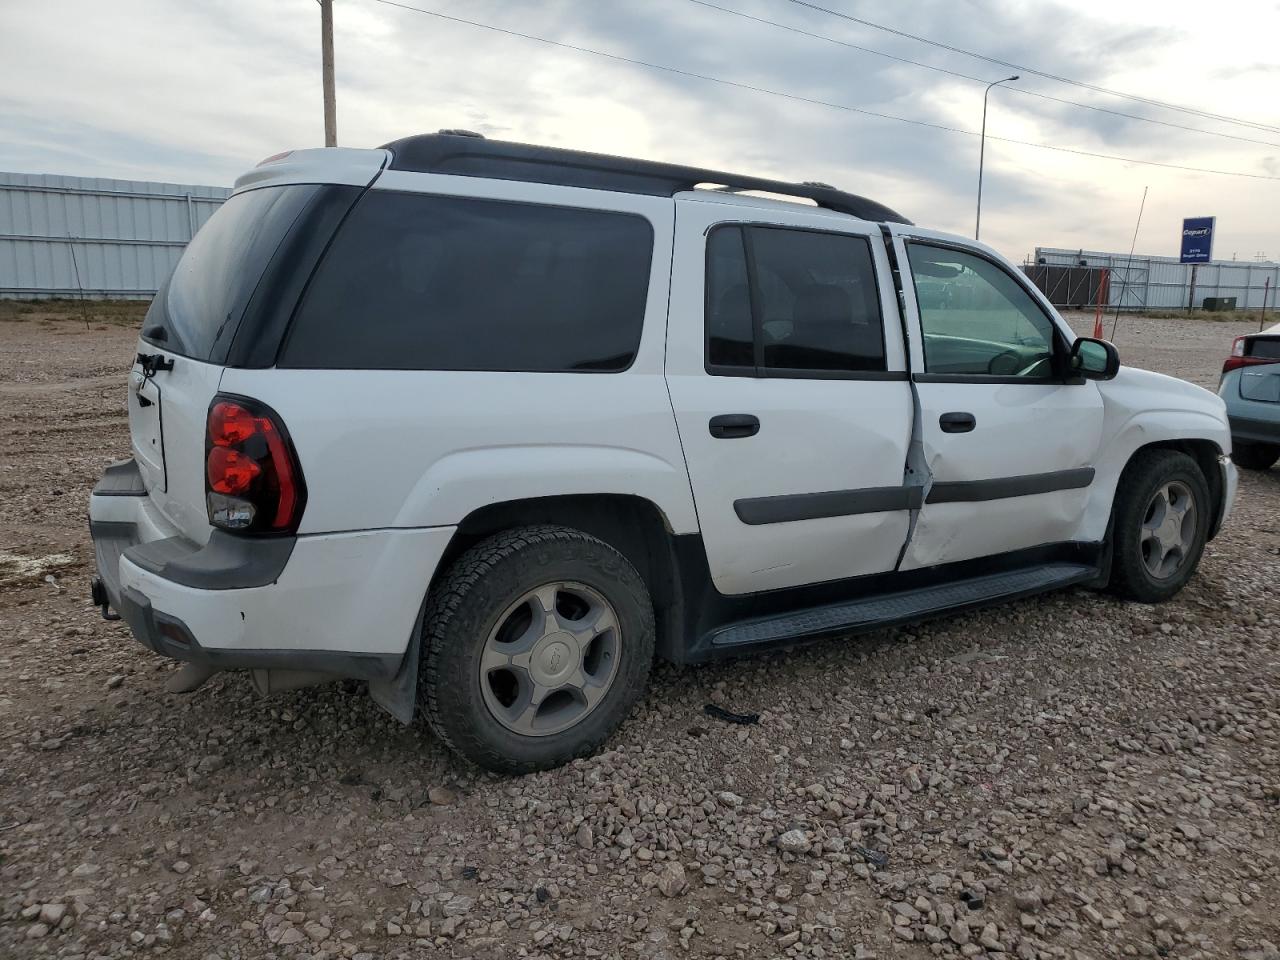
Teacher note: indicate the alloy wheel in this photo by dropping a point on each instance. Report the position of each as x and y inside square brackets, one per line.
[1168, 530]
[550, 659]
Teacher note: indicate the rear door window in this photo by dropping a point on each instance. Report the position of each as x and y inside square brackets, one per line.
[791, 303]
[730, 342]
[417, 282]
[196, 313]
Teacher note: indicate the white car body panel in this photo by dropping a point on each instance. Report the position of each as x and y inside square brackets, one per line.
[1022, 429]
[404, 448]
[342, 592]
[1143, 408]
[816, 435]
[180, 400]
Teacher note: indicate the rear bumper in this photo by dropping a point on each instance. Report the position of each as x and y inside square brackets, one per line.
[1252, 420]
[342, 604]
[1252, 430]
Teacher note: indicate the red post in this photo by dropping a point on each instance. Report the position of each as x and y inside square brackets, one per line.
[1097, 313]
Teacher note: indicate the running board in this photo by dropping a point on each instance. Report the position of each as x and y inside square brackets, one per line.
[889, 609]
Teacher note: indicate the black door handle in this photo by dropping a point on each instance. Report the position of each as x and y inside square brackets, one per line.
[731, 426]
[957, 422]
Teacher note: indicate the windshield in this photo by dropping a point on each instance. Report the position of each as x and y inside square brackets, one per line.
[197, 311]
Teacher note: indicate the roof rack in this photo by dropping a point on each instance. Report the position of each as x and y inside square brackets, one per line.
[466, 154]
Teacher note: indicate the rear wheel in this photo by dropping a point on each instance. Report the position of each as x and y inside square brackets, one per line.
[537, 643]
[1161, 524]
[1255, 456]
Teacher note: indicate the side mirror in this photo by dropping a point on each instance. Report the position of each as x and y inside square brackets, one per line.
[1094, 359]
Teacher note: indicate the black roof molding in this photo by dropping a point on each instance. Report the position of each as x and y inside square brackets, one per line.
[469, 155]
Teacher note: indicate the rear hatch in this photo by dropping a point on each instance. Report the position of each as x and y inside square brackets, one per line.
[1260, 371]
[188, 335]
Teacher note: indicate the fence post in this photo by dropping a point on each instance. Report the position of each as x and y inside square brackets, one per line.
[1097, 312]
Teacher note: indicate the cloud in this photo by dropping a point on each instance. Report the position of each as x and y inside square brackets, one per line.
[198, 92]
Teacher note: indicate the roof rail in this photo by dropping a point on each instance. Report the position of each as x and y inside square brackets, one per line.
[470, 155]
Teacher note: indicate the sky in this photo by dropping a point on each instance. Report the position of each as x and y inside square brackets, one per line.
[198, 92]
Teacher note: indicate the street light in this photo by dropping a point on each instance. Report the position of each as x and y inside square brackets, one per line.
[982, 150]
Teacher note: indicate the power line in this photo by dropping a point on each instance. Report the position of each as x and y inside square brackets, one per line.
[809, 100]
[1039, 73]
[982, 80]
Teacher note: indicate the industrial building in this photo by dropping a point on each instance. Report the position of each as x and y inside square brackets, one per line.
[1074, 278]
[74, 236]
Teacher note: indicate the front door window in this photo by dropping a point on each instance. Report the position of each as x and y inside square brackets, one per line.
[977, 320]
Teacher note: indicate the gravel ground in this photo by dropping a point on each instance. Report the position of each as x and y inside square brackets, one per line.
[1068, 776]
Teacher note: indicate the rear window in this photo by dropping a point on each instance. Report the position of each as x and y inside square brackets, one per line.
[197, 312]
[417, 282]
[1266, 348]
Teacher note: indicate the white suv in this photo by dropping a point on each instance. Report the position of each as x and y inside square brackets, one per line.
[491, 425]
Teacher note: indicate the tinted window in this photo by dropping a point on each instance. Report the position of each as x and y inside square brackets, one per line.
[729, 341]
[1267, 348]
[443, 283]
[818, 304]
[202, 302]
[810, 296]
[977, 319]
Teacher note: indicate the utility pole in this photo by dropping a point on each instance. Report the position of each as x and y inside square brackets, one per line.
[326, 71]
[982, 152]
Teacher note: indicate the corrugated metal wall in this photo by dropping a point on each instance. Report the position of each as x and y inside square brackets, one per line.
[1162, 283]
[60, 236]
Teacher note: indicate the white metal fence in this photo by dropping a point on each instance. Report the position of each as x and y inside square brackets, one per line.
[119, 239]
[1162, 283]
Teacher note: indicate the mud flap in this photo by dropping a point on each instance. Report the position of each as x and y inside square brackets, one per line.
[399, 695]
[1105, 558]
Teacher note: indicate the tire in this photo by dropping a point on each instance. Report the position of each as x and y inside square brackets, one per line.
[1152, 474]
[477, 613]
[1255, 456]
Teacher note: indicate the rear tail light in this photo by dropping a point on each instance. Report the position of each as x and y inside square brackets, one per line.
[1239, 358]
[253, 481]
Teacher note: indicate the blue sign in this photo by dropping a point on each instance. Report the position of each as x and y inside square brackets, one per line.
[1197, 240]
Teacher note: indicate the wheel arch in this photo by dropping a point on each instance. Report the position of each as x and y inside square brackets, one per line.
[1202, 435]
[1207, 454]
[634, 526]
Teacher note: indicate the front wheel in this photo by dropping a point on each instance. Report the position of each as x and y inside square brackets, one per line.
[537, 643]
[1162, 519]
[1255, 456]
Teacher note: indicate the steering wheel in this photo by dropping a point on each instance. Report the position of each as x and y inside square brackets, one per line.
[1011, 363]
[1006, 364]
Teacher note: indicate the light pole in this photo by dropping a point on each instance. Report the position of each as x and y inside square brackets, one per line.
[982, 151]
[326, 73]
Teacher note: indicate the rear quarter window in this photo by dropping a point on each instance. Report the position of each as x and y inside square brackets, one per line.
[197, 311]
[446, 283]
